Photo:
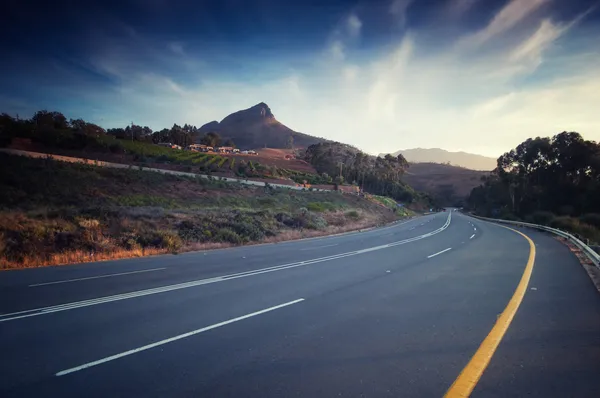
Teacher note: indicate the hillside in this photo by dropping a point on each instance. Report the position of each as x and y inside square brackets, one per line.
[437, 155]
[449, 185]
[53, 212]
[256, 127]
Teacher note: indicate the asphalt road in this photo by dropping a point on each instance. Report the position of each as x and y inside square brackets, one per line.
[397, 311]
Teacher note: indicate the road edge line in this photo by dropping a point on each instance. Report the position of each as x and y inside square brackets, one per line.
[471, 374]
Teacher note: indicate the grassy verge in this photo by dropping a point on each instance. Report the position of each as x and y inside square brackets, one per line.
[56, 213]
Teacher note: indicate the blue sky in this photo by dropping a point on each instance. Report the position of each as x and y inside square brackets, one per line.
[473, 75]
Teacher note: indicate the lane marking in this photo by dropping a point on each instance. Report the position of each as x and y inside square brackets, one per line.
[172, 339]
[217, 279]
[438, 253]
[467, 379]
[320, 247]
[472, 236]
[95, 277]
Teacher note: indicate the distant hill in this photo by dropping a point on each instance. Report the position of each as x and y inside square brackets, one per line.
[437, 155]
[448, 184]
[256, 127]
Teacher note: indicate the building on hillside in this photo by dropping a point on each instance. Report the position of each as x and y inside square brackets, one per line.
[200, 148]
[196, 147]
[224, 149]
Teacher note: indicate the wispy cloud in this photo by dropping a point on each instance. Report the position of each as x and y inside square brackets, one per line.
[399, 8]
[354, 25]
[514, 12]
[459, 7]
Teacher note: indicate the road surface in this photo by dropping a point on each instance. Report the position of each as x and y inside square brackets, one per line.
[393, 312]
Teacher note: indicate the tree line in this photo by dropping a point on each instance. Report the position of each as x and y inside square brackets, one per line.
[53, 127]
[542, 178]
[376, 175]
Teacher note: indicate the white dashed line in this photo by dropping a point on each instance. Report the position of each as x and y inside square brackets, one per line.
[169, 340]
[438, 253]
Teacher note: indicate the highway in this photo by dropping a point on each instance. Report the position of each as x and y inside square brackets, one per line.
[398, 311]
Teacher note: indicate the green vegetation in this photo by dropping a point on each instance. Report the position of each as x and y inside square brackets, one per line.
[376, 175]
[551, 181]
[53, 212]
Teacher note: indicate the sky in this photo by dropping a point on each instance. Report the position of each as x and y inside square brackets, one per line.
[474, 75]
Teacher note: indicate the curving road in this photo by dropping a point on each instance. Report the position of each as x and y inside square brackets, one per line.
[397, 311]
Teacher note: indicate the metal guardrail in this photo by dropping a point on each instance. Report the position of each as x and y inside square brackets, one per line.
[589, 252]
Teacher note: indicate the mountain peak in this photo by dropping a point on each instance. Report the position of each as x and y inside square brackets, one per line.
[256, 127]
[263, 109]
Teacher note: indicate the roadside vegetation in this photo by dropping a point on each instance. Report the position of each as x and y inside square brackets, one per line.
[53, 213]
[550, 181]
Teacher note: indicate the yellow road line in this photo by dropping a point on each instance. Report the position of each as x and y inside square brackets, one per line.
[470, 375]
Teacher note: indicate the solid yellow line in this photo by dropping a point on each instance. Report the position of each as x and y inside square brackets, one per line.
[470, 375]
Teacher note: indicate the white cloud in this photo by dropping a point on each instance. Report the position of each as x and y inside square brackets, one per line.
[513, 12]
[176, 48]
[458, 7]
[336, 50]
[353, 24]
[398, 9]
[532, 48]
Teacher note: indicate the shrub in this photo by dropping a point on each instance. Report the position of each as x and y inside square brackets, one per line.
[169, 240]
[353, 214]
[248, 231]
[316, 206]
[542, 217]
[591, 219]
[227, 235]
[565, 223]
[315, 222]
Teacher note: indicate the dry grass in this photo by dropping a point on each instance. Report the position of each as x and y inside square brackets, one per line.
[79, 256]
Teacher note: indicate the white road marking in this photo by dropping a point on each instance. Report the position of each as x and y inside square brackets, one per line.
[95, 277]
[474, 229]
[472, 236]
[185, 285]
[172, 339]
[438, 253]
[320, 247]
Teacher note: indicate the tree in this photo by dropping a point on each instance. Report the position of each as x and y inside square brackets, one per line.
[229, 142]
[211, 139]
[45, 120]
[559, 175]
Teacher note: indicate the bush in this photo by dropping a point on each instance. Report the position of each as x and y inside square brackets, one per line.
[316, 206]
[169, 240]
[247, 230]
[227, 235]
[565, 223]
[315, 222]
[353, 214]
[542, 217]
[592, 219]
